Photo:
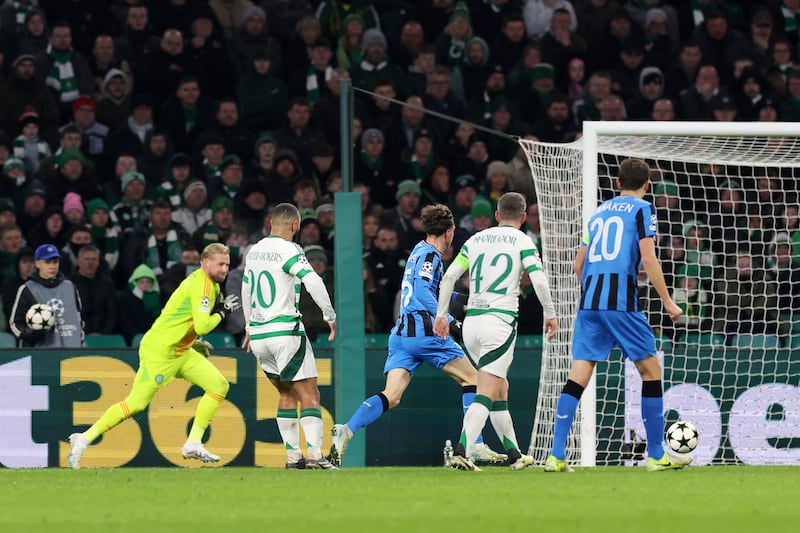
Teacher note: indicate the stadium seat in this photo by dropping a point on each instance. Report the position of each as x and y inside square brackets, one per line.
[745, 340]
[702, 339]
[136, 340]
[7, 340]
[221, 340]
[105, 341]
[530, 341]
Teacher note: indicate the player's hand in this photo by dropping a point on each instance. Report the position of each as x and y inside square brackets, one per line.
[332, 334]
[246, 342]
[202, 346]
[550, 328]
[441, 327]
[673, 310]
[231, 303]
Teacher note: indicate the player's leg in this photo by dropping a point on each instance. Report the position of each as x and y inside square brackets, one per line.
[461, 370]
[503, 425]
[150, 377]
[198, 370]
[307, 393]
[287, 421]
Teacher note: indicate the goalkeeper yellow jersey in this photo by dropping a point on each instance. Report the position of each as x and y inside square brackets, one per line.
[187, 314]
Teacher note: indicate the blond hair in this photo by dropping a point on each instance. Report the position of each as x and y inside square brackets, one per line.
[213, 249]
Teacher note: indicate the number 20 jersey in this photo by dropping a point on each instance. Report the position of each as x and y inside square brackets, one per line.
[613, 259]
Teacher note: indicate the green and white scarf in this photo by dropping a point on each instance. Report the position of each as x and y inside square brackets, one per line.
[312, 85]
[42, 148]
[153, 259]
[23, 10]
[61, 77]
[789, 20]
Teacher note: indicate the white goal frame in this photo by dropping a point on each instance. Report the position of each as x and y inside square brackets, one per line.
[590, 146]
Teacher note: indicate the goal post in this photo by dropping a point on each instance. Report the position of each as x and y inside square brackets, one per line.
[733, 370]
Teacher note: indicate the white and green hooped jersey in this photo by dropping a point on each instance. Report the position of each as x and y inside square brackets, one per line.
[273, 271]
[496, 259]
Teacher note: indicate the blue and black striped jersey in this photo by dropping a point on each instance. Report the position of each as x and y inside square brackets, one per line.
[613, 259]
[419, 291]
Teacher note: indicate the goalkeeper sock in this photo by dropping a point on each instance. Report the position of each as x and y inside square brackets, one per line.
[113, 416]
[474, 420]
[290, 432]
[503, 425]
[206, 409]
[653, 417]
[467, 397]
[311, 422]
[565, 413]
[368, 412]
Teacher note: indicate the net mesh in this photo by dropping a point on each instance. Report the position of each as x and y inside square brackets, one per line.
[730, 248]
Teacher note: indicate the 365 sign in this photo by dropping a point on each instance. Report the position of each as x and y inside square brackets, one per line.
[45, 396]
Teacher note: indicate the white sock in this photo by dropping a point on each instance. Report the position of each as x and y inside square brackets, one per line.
[474, 420]
[311, 420]
[504, 427]
[290, 433]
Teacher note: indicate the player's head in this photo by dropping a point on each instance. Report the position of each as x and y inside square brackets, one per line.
[511, 208]
[438, 220]
[215, 261]
[633, 174]
[285, 218]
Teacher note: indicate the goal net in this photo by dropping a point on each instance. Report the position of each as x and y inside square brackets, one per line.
[726, 196]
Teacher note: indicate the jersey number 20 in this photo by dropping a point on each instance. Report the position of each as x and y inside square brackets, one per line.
[605, 233]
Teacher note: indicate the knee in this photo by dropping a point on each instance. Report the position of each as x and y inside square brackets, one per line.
[221, 387]
[392, 400]
[134, 406]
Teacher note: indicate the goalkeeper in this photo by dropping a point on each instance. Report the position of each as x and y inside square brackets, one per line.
[171, 349]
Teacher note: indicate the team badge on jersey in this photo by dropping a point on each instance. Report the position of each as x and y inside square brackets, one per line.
[653, 222]
[426, 270]
[205, 305]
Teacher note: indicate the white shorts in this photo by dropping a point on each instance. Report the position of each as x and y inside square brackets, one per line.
[286, 358]
[489, 340]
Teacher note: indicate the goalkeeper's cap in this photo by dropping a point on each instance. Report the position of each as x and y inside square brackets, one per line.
[46, 251]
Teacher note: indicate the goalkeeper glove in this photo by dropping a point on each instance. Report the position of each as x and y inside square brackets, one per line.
[202, 346]
[227, 305]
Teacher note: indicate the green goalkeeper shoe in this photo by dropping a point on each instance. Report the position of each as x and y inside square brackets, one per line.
[668, 462]
[552, 464]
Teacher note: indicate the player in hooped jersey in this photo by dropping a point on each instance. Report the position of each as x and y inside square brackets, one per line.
[412, 341]
[621, 236]
[273, 271]
[496, 259]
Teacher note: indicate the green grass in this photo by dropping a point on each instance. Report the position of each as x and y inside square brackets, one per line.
[400, 500]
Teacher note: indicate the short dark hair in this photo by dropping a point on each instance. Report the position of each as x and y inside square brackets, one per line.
[437, 219]
[633, 174]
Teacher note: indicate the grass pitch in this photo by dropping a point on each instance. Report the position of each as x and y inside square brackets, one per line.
[389, 500]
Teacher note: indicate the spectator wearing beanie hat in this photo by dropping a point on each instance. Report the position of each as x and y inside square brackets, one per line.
[376, 168]
[481, 217]
[496, 183]
[465, 189]
[105, 236]
[376, 64]
[71, 176]
[178, 175]
[253, 34]
[333, 17]
[404, 218]
[32, 206]
[219, 228]
[22, 91]
[194, 211]
[14, 180]
[29, 146]
[94, 134]
[131, 212]
[73, 209]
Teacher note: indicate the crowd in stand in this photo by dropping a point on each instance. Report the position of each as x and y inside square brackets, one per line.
[134, 132]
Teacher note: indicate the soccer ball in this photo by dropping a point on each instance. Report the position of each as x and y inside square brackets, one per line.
[39, 317]
[682, 437]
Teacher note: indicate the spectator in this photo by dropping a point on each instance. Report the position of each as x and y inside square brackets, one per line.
[34, 37]
[625, 77]
[74, 212]
[71, 176]
[481, 217]
[660, 42]
[77, 237]
[230, 179]
[14, 181]
[782, 64]
[465, 190]
[663, 109]
[376, 64]
[95, 286]
[536, 97]
[253, 35]
[262, 95]
[284, 17]
[476, 159]
[63, 69]
[178, 174]
[93, 134]
[560, 42]
[213, 151]
[154, 162]
[298, 135]
[502, 121]
[332, 16]
[103, 61]
[130, 213]
[420, 160]
[310, 78]
[33, 206]
[24, 264]
[604, 48]
[263, 158]
[13, 16]
[440, 98]
[194, 212]
[435, 188]
[597, 89]
[235, 137]
[11, 243]
[723, 107]
[312, 316]
[219, 228]
[681, 74]
[251, 205]
[172, 277]
[784, 271]
[46, 283]
[508, 44]
[696, 101]
[348, 45]
[167, 68]
[23, 92]
[539, 14]
[210, 49]
[186, 113]
[137, 41]
[114, 101]
[386, 262]
[480, 107]
[474, 68]
[720, 44]
[158, 245]
[141, 301]
[556, 126]
[130, 137]
[105, 236]
[651, 87]
[404, 218]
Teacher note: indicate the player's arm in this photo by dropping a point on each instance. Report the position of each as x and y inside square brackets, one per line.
[247, 288]
[202, 298]
[298, 266]
[651, 264]
[460, 264]
[533, 267]
[580, 257]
